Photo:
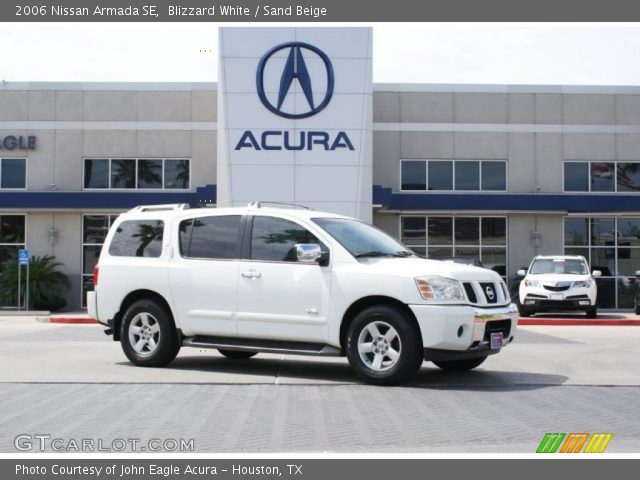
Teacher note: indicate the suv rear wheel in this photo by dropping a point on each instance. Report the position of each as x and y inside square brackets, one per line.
[148, 335]
[383, 345]
[237, 354]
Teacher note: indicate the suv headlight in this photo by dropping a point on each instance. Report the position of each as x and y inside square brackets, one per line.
[531, 283]
[582, 284]
[439, 288]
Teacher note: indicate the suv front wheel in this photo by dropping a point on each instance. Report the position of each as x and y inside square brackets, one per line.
[148, 335]
[383, 345]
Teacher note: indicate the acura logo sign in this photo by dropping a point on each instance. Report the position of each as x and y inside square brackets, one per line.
[295, 68]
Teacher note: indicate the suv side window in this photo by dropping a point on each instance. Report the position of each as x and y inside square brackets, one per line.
[137, 238]
[214, 237]
[273, 239]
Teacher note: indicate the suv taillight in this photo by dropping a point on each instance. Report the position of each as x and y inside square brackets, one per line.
[96, 270]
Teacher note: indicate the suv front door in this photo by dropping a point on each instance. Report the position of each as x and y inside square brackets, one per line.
[279, 297]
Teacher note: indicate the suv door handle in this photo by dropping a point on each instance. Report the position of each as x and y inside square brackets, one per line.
[251, 274]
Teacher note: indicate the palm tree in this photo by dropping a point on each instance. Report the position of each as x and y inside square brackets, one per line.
[46, 283]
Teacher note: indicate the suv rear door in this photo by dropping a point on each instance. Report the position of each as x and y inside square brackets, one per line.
[204, 274]
[280, 298]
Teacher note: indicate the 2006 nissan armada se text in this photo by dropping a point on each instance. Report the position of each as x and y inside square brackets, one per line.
[296, 281]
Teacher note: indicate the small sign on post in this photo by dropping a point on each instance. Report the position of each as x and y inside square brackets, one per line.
[23, 259]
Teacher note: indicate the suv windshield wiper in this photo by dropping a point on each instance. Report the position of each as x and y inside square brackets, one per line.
[376, 253]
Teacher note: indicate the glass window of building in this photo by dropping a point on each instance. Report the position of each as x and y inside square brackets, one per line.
[149, 173]
[440, 175]
[12, 237]
[96, 173]
[94, 232]
[576, 177]
[123, 173]
[467, 175]
[414, 175]
[628, 177]
[479, 238]
[611, 245]
[602, 177]
[453, 175]
[13, 173]
[176, 174]
[142, 173]
[494, 176]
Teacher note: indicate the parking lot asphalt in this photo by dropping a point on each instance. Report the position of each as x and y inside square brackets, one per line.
[73, 381]
[31, 351]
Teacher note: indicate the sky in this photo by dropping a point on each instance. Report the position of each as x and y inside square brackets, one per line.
[557, 54]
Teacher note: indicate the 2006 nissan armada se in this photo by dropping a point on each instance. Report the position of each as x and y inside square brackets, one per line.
[296, 281]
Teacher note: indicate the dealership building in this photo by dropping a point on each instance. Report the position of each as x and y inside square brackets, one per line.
[499, 173]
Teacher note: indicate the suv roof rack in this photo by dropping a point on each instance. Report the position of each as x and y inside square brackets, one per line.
[155, 208]
[259, 204]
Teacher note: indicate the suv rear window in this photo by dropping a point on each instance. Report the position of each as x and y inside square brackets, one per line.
[138, 238]
[210, 237]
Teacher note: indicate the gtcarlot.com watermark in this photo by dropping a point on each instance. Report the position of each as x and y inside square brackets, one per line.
[45, 442]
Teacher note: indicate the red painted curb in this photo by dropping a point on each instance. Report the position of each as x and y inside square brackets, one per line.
[76, 320]
[570, 321]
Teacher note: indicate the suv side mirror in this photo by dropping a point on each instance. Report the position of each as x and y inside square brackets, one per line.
[521, 273]
[308, 252]
[596, 274]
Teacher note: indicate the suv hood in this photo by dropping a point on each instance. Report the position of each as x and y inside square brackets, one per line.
[417, 267]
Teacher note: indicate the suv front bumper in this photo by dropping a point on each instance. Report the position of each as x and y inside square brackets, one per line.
[464, 328]
[575, 302]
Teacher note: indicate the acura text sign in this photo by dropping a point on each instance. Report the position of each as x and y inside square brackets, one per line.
[294, 117]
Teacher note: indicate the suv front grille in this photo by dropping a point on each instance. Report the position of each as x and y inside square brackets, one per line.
[559, 288]
[471, 294]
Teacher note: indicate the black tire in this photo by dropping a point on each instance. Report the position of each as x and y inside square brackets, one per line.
[237, 354]
[525, 312]
[407, 342]
[592, 312]
[637, 310]
[165, 338]
[460, 365]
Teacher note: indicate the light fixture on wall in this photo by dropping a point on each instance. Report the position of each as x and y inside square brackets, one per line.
[53, 235]
[536, 236]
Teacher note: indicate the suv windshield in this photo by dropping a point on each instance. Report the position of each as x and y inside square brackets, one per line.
[559, 266]
[362, 240]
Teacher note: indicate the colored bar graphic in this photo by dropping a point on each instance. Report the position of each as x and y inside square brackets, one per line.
[598, 442]
[574, 442]
[550, 443]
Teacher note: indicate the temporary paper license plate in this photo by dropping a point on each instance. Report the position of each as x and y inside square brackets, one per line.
[496, 340]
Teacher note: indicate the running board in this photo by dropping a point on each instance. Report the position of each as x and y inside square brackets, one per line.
[266, 346]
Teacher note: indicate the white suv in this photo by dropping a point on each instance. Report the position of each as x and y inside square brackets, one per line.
[558, 283]
[295, 281]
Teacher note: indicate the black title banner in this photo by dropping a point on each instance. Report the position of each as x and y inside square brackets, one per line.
[318, 11]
